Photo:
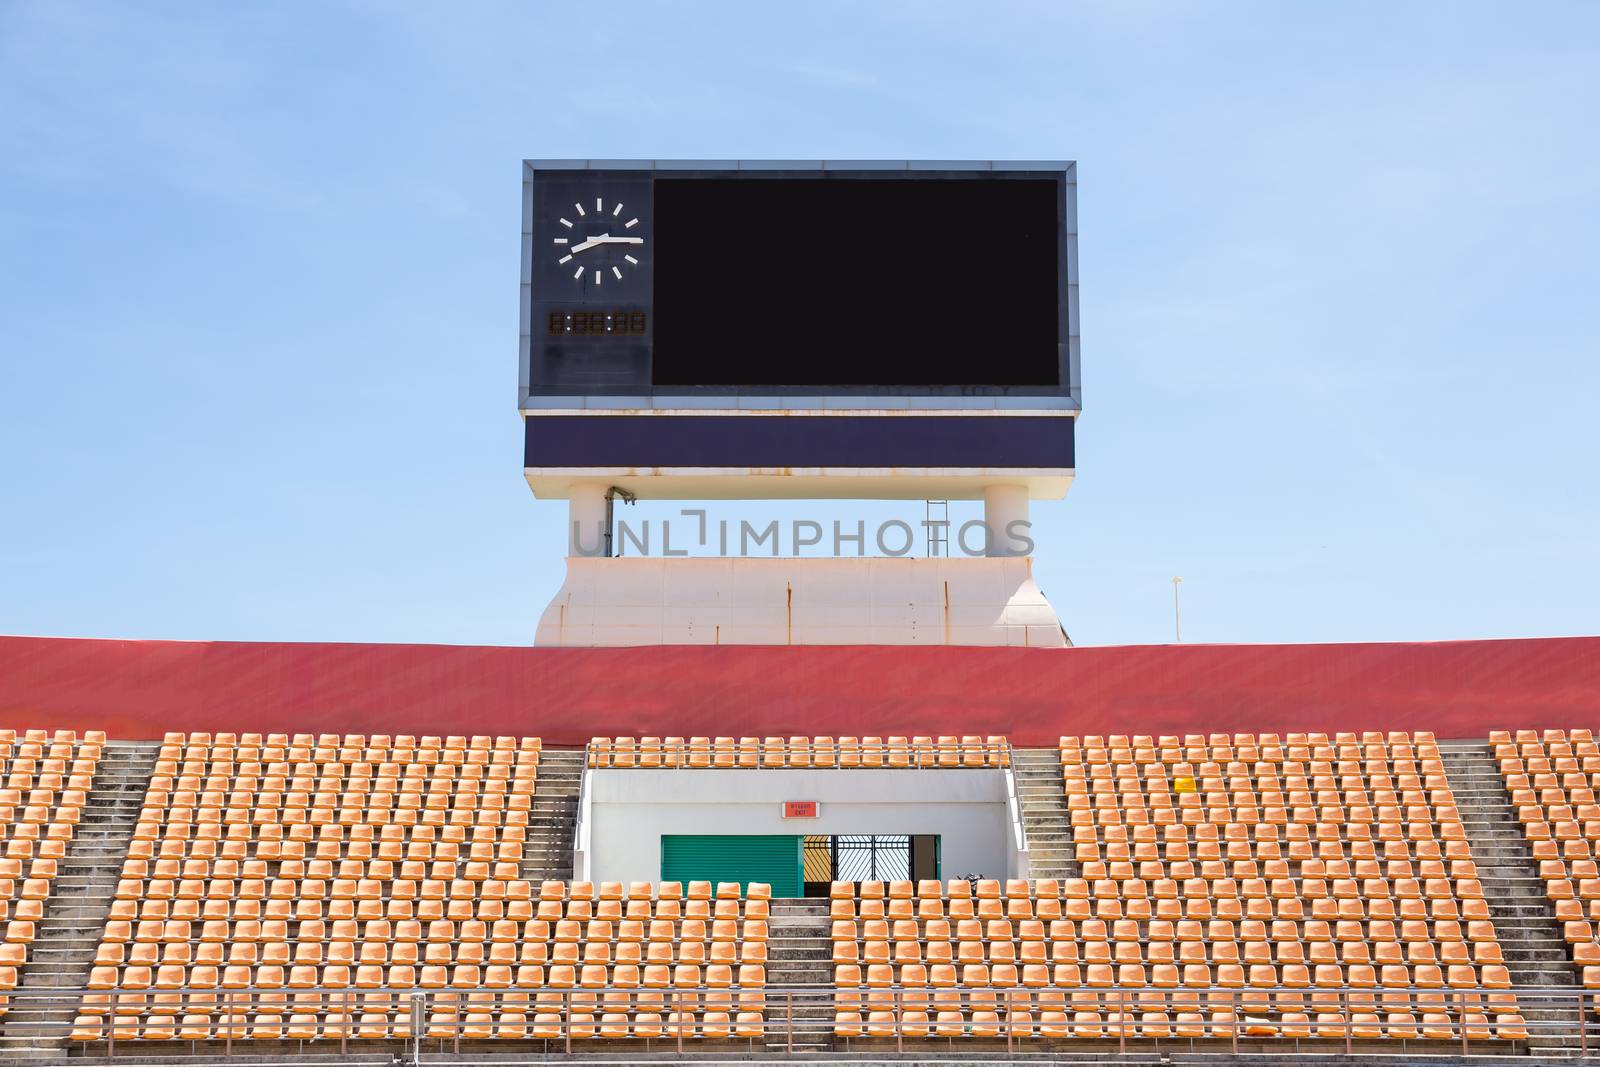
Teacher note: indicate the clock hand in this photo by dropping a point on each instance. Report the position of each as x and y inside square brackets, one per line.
[604, 239]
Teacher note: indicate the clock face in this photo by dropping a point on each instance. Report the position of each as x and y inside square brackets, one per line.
[597, 241]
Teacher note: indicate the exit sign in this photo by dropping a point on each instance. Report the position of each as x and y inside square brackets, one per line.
[799, 809]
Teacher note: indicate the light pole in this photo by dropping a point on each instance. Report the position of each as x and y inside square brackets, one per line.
[1177, 612]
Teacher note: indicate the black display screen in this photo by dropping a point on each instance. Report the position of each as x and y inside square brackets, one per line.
[819, 282]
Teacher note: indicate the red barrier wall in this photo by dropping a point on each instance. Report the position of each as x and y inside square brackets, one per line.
[140, 689]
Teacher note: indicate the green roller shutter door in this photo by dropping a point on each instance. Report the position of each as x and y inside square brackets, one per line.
[771, 858]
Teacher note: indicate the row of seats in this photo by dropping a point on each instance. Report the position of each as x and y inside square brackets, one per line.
[1171, 748]
[751, 752]
[1095, 904]
[1552, 777]
[414, 749]
[1246, 860]
[482, 1014]
[45, 780]
[1095, 1014]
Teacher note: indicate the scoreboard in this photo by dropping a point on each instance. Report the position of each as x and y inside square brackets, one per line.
[851, 292]
[801, 279]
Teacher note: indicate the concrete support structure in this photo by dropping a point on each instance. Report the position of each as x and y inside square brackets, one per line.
[1003, 505]
[586, 519]
[733, 600]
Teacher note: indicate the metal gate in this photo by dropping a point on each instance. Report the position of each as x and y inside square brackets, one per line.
[858, 858]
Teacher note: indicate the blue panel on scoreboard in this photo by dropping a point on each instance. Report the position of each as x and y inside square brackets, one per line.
[838, 441]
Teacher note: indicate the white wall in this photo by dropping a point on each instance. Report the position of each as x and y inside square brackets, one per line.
[626, 812]
[732, 600]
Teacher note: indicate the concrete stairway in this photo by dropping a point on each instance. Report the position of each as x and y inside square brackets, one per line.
[1536, 954]
[1041, 793]
[800, 953]
[80, 899]
[552, 823]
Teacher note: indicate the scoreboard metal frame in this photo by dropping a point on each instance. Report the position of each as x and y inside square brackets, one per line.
[624, 278]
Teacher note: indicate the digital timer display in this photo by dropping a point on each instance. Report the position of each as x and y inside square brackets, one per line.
[596, 324]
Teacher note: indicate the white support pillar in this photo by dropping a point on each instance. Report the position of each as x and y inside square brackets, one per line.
[586, 519]
[1003, 505]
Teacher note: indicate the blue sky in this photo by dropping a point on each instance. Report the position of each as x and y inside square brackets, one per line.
[258, 275]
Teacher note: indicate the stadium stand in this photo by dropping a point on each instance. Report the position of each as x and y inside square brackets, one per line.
[1215, 888]
[295, 887]
[756, 752]
[1297, 861]
[47, 778]
[278, 861]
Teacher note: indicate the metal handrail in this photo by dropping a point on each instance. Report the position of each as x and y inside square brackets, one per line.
[1019, 829]
[580, 825]
[1013, 800]
[893, 1013]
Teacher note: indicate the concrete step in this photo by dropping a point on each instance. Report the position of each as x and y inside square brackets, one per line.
[80, 897]
[1041, 794]
[553, 818]
[1530, 937]
[798, 929]
[799, 952]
